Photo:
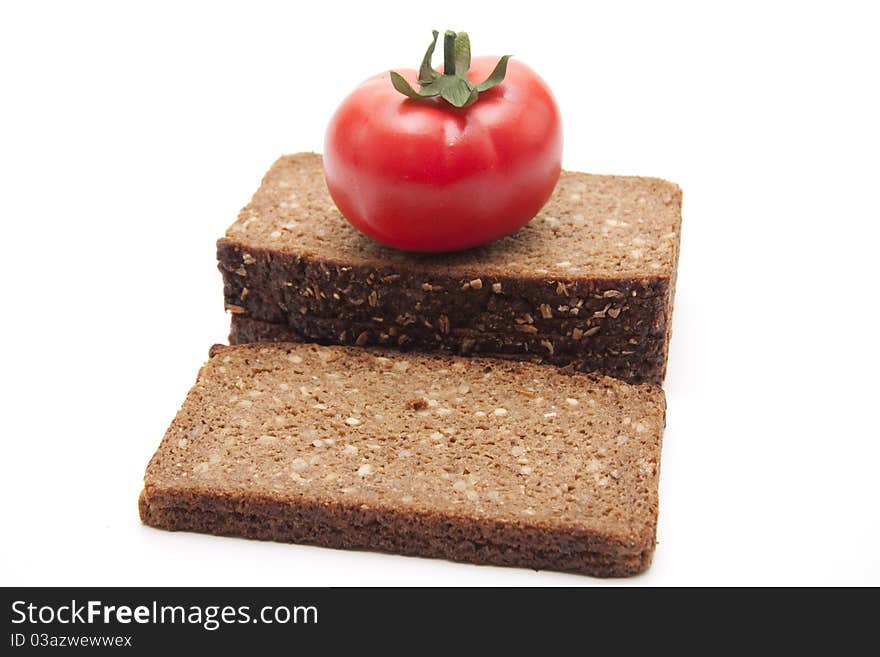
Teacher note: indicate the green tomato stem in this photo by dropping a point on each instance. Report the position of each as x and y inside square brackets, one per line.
[449, 53]
[452, 85]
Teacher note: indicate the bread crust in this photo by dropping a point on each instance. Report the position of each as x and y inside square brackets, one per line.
[394, 532]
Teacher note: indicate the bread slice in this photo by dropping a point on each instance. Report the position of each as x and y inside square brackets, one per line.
[494, 462]
[588, 283]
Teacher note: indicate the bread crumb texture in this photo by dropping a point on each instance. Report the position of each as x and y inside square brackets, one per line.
[484, 461]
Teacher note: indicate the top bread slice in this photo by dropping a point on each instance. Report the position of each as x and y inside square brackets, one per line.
[470, 459]
[589, 282]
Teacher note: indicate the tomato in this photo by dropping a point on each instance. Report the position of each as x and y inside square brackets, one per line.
[420, 174]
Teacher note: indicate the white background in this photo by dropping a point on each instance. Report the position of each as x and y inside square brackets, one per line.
[130, 135]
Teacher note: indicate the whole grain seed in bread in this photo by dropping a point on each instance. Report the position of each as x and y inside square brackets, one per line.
[484, 461]
[588, 283]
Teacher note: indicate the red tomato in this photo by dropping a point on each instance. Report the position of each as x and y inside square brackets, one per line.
[422, 175]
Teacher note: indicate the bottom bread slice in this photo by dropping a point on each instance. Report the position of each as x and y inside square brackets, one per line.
[473, 460]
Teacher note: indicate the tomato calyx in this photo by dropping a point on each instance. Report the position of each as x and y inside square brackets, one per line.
[452, 85]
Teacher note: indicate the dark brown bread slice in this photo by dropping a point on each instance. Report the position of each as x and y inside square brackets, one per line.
[244, 330]
[588, 283]
[496, 462]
